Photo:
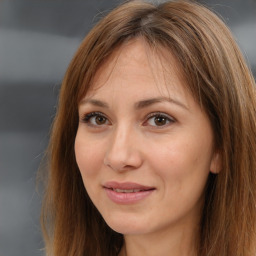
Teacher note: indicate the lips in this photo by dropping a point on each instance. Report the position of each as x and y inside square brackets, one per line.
[127, 190]
[127, 187]
[127, 193]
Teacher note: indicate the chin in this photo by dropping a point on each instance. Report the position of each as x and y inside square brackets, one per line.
[128, 230]
[128, 226]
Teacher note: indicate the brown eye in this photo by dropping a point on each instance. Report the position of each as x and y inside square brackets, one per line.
[96, 119]
[100, 120]
[160, 120]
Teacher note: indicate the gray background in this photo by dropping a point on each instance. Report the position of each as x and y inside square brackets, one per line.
[37, 40]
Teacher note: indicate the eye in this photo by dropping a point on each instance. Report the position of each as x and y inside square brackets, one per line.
[159, 119]
[96, 119]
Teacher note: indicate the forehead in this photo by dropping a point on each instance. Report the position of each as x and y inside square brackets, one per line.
[136, 63]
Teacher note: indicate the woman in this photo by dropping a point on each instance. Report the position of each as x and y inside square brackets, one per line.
[153, 146]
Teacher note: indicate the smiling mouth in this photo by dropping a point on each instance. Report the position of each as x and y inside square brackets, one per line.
[127, 193]
[126, 187]
[129, 190]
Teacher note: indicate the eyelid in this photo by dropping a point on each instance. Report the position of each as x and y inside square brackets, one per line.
[86, 117]
[160, 114]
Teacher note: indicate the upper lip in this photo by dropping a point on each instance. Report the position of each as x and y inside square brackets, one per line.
[126, 186]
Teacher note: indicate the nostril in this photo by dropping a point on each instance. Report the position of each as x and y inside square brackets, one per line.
[122, 156]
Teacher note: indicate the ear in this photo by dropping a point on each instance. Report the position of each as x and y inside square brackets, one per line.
[216, 163]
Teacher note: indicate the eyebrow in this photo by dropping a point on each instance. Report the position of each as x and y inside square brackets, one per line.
[97, 103]
[151, 101]
[138, 105]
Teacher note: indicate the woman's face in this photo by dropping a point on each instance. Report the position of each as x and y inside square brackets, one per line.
[143, 146]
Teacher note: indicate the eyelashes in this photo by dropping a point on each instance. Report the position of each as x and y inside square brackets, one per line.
[155, 119]
[95, 119]
[159, 119]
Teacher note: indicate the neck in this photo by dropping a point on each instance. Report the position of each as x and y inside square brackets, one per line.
[178, 242]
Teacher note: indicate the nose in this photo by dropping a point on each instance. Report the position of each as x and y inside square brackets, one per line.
[123, 151]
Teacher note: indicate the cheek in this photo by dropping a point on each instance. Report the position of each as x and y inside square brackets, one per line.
[183, 163]
[89, 156]
[184, 169]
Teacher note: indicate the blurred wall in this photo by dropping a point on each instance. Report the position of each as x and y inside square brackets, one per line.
[37, 41]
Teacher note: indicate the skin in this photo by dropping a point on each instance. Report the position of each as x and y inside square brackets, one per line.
[129, 142]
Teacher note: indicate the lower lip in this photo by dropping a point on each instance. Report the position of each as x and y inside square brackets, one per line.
[127, 198]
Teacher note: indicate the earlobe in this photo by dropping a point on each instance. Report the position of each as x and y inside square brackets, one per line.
[216, 163]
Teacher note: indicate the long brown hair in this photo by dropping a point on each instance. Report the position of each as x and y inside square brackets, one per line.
[221, 83]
